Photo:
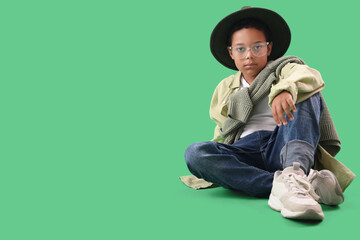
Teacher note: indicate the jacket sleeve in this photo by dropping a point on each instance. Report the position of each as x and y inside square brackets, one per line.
[299, 80]
[218, 107]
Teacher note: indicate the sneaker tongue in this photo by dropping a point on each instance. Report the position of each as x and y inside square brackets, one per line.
[294, 169]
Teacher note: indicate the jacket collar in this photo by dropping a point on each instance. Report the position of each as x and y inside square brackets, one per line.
[236, 80]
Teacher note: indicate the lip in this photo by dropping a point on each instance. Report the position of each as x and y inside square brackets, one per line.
[250, 65]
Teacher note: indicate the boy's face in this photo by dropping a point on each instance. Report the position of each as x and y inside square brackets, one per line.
[251, 65]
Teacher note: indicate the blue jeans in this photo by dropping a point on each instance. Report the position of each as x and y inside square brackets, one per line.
[248, 165]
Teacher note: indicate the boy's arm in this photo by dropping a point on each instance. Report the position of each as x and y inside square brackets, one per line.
[296, 83]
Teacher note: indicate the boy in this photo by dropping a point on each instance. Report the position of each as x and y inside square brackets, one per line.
[266, 151]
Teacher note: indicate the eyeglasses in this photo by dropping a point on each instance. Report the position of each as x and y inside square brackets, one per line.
[257, 49]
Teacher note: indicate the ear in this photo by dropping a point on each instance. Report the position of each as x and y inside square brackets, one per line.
[230, 52]
[269, 48]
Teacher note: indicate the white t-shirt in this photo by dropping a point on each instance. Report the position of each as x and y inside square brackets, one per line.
[260, 118]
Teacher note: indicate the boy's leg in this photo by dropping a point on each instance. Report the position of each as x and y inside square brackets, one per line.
[294, 146]
[240, 166]
[297, 141]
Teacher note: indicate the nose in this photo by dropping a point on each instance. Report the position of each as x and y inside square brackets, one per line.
[249, 54]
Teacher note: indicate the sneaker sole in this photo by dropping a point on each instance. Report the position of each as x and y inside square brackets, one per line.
[309, 214]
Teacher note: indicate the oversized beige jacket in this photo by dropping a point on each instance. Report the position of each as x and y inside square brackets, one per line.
[302, 82]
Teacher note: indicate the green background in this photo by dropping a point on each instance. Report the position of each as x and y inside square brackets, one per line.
[99, 100]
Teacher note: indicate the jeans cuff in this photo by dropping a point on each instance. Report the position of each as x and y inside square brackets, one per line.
[298, 151]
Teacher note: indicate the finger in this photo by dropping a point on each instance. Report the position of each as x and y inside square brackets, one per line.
[292, 105]
[275, 116]
[281, 115]
[286, 108]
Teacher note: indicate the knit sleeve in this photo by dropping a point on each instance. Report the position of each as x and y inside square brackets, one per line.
[217, 137]
[299, 80]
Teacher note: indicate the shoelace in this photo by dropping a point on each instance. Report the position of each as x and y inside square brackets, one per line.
[300, 184]
[312, 175]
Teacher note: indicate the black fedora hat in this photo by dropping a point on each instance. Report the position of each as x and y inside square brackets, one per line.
[280, 31]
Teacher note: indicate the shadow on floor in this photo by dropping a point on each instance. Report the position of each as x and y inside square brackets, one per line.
[228, 193]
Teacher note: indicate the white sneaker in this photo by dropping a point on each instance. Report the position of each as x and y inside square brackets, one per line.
[293, 195]
[326, 186]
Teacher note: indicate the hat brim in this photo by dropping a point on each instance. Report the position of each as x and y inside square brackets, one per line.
[280, 31]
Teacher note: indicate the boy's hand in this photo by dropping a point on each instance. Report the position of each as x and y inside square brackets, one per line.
[283, 102]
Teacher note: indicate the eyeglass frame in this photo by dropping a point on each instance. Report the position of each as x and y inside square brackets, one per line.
[250, 48]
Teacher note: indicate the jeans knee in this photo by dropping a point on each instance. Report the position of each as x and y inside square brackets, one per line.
[191, 154]
[195, 153]
[313, 103]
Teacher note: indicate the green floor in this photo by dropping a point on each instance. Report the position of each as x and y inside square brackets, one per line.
[219, 212]
[172, 210]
